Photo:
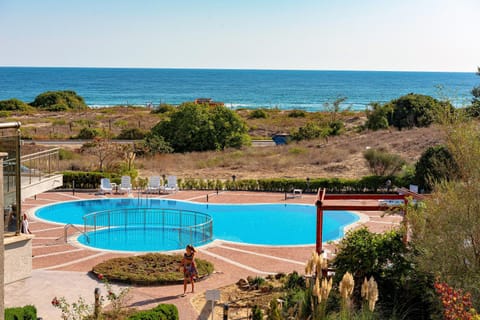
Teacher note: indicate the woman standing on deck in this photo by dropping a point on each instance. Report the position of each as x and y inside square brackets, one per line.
[189, 268]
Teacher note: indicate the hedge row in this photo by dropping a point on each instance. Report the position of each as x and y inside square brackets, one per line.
[86, 180]
[368, 184]
[21, 313]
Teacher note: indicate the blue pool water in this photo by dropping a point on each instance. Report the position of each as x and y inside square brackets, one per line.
[261, 224]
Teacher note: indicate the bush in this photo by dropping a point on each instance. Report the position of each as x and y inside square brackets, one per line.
[131, 134]
[64, 154]
[377, 116]
[382, 163]
[434, 165]
[59, 101]
[87, 133]
[335, 128]
[5, 114]
[413, 110]
[22, 313]
[258, 114]
[308, 132]
[14, 105]
[297, 114]
[160, 312]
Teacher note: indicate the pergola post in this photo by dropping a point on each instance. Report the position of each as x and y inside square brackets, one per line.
[319, 205]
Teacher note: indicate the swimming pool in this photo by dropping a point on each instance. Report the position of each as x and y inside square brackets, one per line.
[260, 224]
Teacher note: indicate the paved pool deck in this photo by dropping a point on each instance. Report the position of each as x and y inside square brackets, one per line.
[62, 269]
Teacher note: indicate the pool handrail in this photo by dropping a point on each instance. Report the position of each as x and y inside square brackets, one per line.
[65, 230]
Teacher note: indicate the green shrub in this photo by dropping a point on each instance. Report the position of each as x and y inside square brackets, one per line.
[21, 313]
[335, 127]
[297, 114]
[59, 101]
[257, 313]
[382, 163]
[258, 114]
[377, 116]
[87, 133]
[385, 257]
[14, 105]
[434, 165]
[307, 132]
[5, 114]
[64, 154]
[160, 312]
[413, 110]
[131, 134]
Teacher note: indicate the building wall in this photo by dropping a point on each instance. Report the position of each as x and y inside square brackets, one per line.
[18, 258]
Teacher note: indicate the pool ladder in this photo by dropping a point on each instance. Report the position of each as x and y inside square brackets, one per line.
[65, 230]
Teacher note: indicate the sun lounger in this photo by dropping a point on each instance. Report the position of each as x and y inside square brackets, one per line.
[105, 186]
[154, 184]
[171, 186]
[125, 185]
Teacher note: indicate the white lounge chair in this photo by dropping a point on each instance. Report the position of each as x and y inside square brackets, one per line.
[154, 184]
[125, 185]
[105, 186]
[171, 186]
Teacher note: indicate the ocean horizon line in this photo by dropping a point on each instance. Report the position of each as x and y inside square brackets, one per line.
[233, 69]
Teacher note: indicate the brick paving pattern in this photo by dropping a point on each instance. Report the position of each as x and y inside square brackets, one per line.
[52, 257]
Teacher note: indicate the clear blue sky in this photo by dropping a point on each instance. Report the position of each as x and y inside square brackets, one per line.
[433, 35]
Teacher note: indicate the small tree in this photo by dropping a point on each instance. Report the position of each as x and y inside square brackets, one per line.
[435, 164]
[194, 127]
[154, 144]
[103, 150]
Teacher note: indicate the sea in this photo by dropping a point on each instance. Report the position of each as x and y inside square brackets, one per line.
[281, 89]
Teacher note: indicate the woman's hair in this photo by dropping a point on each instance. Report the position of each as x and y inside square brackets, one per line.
[191, 248]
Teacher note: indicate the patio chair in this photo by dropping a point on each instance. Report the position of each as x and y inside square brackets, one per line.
[105, 186]
[125, 185]
[171, 186]
[154, 184]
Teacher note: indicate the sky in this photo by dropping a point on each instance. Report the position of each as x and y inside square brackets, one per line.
[397, 35]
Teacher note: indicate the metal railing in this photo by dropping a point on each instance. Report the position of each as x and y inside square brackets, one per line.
[65, 232]
[187, 227]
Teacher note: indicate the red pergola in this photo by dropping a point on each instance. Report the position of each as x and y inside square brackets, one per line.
[327, 202]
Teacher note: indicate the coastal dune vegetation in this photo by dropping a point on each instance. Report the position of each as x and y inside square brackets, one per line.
[195, 141]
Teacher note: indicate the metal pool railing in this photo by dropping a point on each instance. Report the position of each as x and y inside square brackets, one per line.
[188, 227]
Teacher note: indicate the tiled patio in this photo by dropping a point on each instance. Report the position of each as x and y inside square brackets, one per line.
[61, 269]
